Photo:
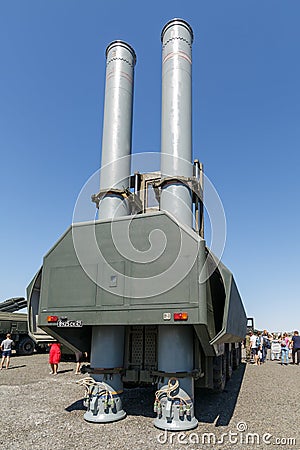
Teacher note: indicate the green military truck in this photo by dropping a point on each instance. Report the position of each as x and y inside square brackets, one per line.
[27, 338]
[16, 325]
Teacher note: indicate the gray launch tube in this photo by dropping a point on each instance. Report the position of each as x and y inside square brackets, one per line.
[176, 124]
[175, 349]
[107, 346]
[117, 127]
[175, 343]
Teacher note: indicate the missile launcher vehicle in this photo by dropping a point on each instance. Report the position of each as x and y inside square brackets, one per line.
[137, 287]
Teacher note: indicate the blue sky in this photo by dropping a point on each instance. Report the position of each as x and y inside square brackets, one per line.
[246, 109]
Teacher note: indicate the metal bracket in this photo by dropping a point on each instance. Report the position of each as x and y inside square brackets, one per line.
[196, 374]
[101, 371]
[125, 194]
[191, 182]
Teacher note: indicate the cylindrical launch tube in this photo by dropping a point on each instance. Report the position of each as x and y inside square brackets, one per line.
[117, 127]
[107, 347]
[176, 123]
[175, 343]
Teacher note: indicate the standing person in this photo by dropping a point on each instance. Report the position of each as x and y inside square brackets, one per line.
[6, 346]
[79, 359]
[296, 347]
[284, 349]
[253, 347]
[247, 347]
[265, 345]
[271, 338]
[54, 357]
[259, 346]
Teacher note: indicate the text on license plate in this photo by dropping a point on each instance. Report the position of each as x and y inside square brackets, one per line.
[69, 323]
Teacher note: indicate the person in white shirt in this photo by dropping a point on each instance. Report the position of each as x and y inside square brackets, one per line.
[254, 348]
[6, 346]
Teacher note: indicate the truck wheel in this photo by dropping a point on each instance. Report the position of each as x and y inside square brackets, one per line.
[229, 361]
[26, 346]
[234, 352]
[236, 357]
[229, 365]
[219, 373]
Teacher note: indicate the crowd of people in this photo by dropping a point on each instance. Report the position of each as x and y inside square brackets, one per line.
[261, 346]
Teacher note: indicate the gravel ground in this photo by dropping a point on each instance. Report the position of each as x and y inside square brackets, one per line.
[258, 410]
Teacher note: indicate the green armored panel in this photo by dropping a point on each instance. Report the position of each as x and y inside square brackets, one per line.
[138, 270]
[13, 322]
[4, 326]
[64, 282]
[70, 286]
[234, 324]
[123, 268]
[140, 257]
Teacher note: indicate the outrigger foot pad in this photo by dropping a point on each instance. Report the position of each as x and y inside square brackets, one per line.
[174, 408]
[102, 402]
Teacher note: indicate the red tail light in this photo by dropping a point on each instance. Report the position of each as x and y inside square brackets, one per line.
[52, 319]
[181, 316]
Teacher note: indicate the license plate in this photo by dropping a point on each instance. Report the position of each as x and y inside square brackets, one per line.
[69, 323]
